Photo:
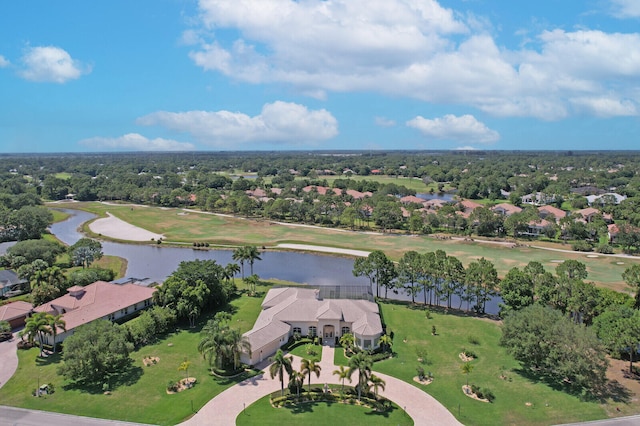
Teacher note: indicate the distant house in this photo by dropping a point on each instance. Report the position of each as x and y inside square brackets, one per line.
[547, 212]
[312, 312]
[505, 209]
[606, 198]
[469, 206]
[100, 300]
[411, 199]
[613, 231]
[10, 282]
[537, 199]
[537, 228]
[15, 313]
[587, 214]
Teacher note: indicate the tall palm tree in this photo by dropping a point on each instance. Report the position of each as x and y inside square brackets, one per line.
[56, 322]
[342, 373]
[212, 344]
[377, 383]
[251, 255]
[281, 363]
[239, 255]
[36, 327]
[362, 363]
[230, 271]
[238, 344]
[309, 366]
[467, 368]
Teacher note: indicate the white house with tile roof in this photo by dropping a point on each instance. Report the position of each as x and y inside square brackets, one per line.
[306, 311]
[100, 300]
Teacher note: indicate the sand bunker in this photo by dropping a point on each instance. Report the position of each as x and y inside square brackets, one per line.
[113, 227]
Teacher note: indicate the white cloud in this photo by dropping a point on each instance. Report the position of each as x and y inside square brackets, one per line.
[385, 122]
[4, 62]
[51, 64]
[466, 148]
[416, 49]
[626, 8]
[452, 128]
[278, 122]
[136, 142]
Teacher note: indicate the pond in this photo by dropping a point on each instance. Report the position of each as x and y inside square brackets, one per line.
[158, 262]
[445, 196]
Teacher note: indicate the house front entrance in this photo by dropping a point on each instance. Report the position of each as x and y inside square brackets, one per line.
[328, 335]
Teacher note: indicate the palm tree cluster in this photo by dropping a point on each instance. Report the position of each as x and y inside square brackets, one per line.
[222, 345]
[41, 324]
[247, 254]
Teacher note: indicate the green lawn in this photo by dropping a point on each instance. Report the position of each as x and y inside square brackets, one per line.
[144, 399]
[186, 228]
[301, 351]
[319, 413]
[513, 391]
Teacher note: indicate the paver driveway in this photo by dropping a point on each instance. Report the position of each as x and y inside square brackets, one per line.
[224, 408]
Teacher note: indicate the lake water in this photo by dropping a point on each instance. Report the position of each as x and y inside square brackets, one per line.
[158, 262]
[435, 196]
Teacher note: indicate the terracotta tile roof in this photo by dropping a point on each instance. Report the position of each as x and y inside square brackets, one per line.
[85, 304]
[14, 310]
[469, 205]
[550, 210]
[411, 199]
[508, 209]
[585, 213]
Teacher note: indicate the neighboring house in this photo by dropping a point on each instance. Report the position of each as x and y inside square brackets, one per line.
[607, 198]
[469, 206]
[100, 300]
[411, 199]
[505, 209]
[613, 232]
[546, 212]
[323, 312]
[586, 214]
[15, 313]
[10, 281]
[537, 228]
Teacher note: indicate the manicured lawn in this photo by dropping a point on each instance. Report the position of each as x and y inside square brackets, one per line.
[514, 391]
[301, 351]
[319, 413]
[186, 228]
[143, 399]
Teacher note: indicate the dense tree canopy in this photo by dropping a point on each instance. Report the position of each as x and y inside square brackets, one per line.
[96, 352]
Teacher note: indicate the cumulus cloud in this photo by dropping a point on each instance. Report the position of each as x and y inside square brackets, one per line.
[136, 142]
[418, 50]
[385, 122]
[51, 64]
[626, 8]
[278, 122]
[4, 62]
[452, 128]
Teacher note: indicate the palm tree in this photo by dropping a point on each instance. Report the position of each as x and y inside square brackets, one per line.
[239, 255]
[342, 373]
[347, 340]
[377, 383]
[308, 366]
[467, 368]
[213, 343]
[280, 364]
[184, 366]
[230, 271]
[361, 362]
[238, 344]
[36, 327]
[55, 322]
[296, 379]
[386, 341]
[251, 255]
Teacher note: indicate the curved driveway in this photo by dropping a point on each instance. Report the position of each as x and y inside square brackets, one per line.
[224, 408]
[8, 359]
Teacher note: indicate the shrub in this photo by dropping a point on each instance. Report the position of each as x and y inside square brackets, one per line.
[422, 355]
[604, 249]
[311, 350]
[488, 395]
[420, 372]
[172, 386]
[582, 246]
[469, 354]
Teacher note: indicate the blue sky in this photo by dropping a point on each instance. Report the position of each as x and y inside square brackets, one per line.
[181, 75]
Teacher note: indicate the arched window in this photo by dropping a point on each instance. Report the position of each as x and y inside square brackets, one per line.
[297, 330]
[345, 330]
[313, 331]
